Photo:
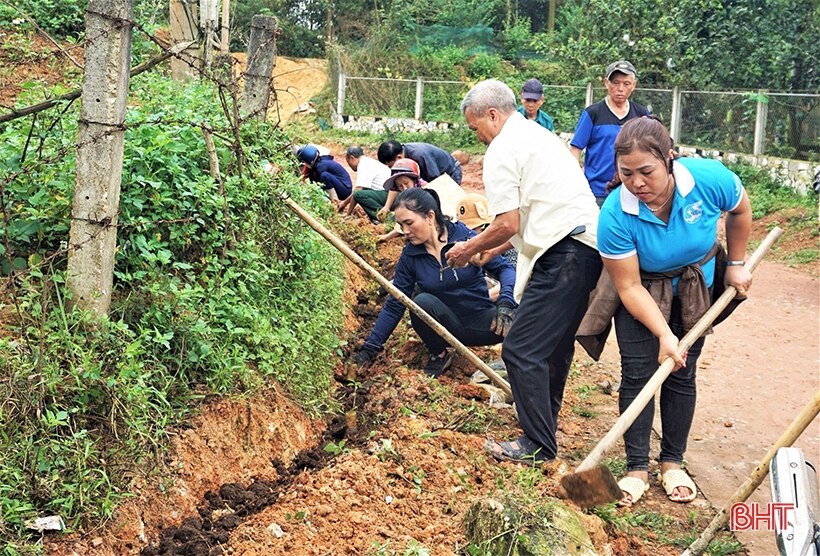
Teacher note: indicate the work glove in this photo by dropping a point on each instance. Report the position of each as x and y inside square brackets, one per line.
[504, 315]
[365, 356]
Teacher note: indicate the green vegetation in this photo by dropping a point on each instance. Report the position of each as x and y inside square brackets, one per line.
[769, 194]
[218, 289]
[413, 548]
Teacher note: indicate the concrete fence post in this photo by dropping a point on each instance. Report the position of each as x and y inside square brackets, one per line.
[225, 29]
[674, 125]
[258, 73]
[760, 122]
[100, 143]
[419, 97]
[184, 20]
[340, 93]
[590, 98]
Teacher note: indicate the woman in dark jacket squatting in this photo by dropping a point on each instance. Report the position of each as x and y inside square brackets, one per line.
[455, 297]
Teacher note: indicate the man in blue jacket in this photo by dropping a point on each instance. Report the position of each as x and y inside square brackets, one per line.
[323, 170]
[600, 124]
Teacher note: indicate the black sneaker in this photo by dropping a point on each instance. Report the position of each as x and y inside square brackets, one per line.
[437, 365]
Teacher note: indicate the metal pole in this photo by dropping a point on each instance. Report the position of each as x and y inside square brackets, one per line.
[590, 95]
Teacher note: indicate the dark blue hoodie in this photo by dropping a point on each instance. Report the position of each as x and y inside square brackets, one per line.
[331, 175]
[465, 295]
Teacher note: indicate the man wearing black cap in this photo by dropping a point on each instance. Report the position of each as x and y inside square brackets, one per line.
[600, 123]
[532, 98]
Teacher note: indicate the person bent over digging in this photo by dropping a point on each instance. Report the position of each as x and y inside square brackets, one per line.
[456, 298]
[541, 205]
[657, 235]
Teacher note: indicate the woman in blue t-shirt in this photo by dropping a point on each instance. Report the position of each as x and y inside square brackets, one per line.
[657, 236]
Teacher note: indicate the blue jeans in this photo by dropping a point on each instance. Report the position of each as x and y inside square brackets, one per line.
[539, 347]
[474, 331]
[639, 361]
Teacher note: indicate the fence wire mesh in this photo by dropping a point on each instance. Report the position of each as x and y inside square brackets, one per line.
[715, 120]
[793, 126]
[722, 121]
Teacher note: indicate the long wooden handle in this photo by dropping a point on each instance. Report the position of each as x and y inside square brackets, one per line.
[648, 392]
[395, 292]
[759, 473]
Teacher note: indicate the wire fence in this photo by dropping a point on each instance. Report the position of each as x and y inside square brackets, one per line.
[755, 122]
[36, 211]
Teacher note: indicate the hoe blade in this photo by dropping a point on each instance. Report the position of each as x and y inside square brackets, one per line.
[591, 487]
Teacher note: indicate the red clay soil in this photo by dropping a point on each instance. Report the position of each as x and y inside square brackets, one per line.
[30, 57]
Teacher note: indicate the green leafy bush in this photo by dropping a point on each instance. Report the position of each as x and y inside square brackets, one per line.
[62, 18]
[218, 288]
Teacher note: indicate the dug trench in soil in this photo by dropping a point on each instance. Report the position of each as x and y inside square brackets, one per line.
[221, 512]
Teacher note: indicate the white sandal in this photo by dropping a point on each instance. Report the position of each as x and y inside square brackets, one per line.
[675, 478]
[634, 487]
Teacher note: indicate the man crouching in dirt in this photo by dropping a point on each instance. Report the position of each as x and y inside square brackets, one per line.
[543, 207]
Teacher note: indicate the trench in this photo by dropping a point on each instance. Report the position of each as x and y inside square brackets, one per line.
[218, 513]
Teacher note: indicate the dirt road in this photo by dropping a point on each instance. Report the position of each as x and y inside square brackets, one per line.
[760, 368]
[757, 371]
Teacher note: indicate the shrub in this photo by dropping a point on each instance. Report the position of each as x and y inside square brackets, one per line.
[216, 289]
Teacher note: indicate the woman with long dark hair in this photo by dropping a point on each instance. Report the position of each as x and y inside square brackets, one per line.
[455, 297]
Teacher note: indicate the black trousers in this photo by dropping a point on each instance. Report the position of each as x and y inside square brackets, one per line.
[639, 361]
[539, 348]
[474, 331]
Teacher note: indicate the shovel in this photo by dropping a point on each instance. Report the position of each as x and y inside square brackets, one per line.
[592, 484]
[395, 292]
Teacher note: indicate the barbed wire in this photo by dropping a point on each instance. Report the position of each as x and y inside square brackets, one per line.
[222, 77]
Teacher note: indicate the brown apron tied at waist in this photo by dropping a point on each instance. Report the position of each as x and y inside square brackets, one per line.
[694, 296]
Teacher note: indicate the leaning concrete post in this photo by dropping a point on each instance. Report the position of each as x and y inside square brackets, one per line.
[100, 141]
[184, 19]
[261, 60]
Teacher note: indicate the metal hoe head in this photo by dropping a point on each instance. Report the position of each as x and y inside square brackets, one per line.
[591, 487]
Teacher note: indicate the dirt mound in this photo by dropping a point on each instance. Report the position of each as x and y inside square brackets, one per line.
[295, 82]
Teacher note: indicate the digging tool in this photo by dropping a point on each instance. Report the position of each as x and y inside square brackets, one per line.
[395, 292]
[593, 484]
[759, 473]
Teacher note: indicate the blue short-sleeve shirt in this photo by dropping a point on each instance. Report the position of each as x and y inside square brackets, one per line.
[596, 131]
[704, 188]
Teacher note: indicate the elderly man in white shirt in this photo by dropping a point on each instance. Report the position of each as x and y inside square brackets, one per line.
[370, 176]
[543, 207]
